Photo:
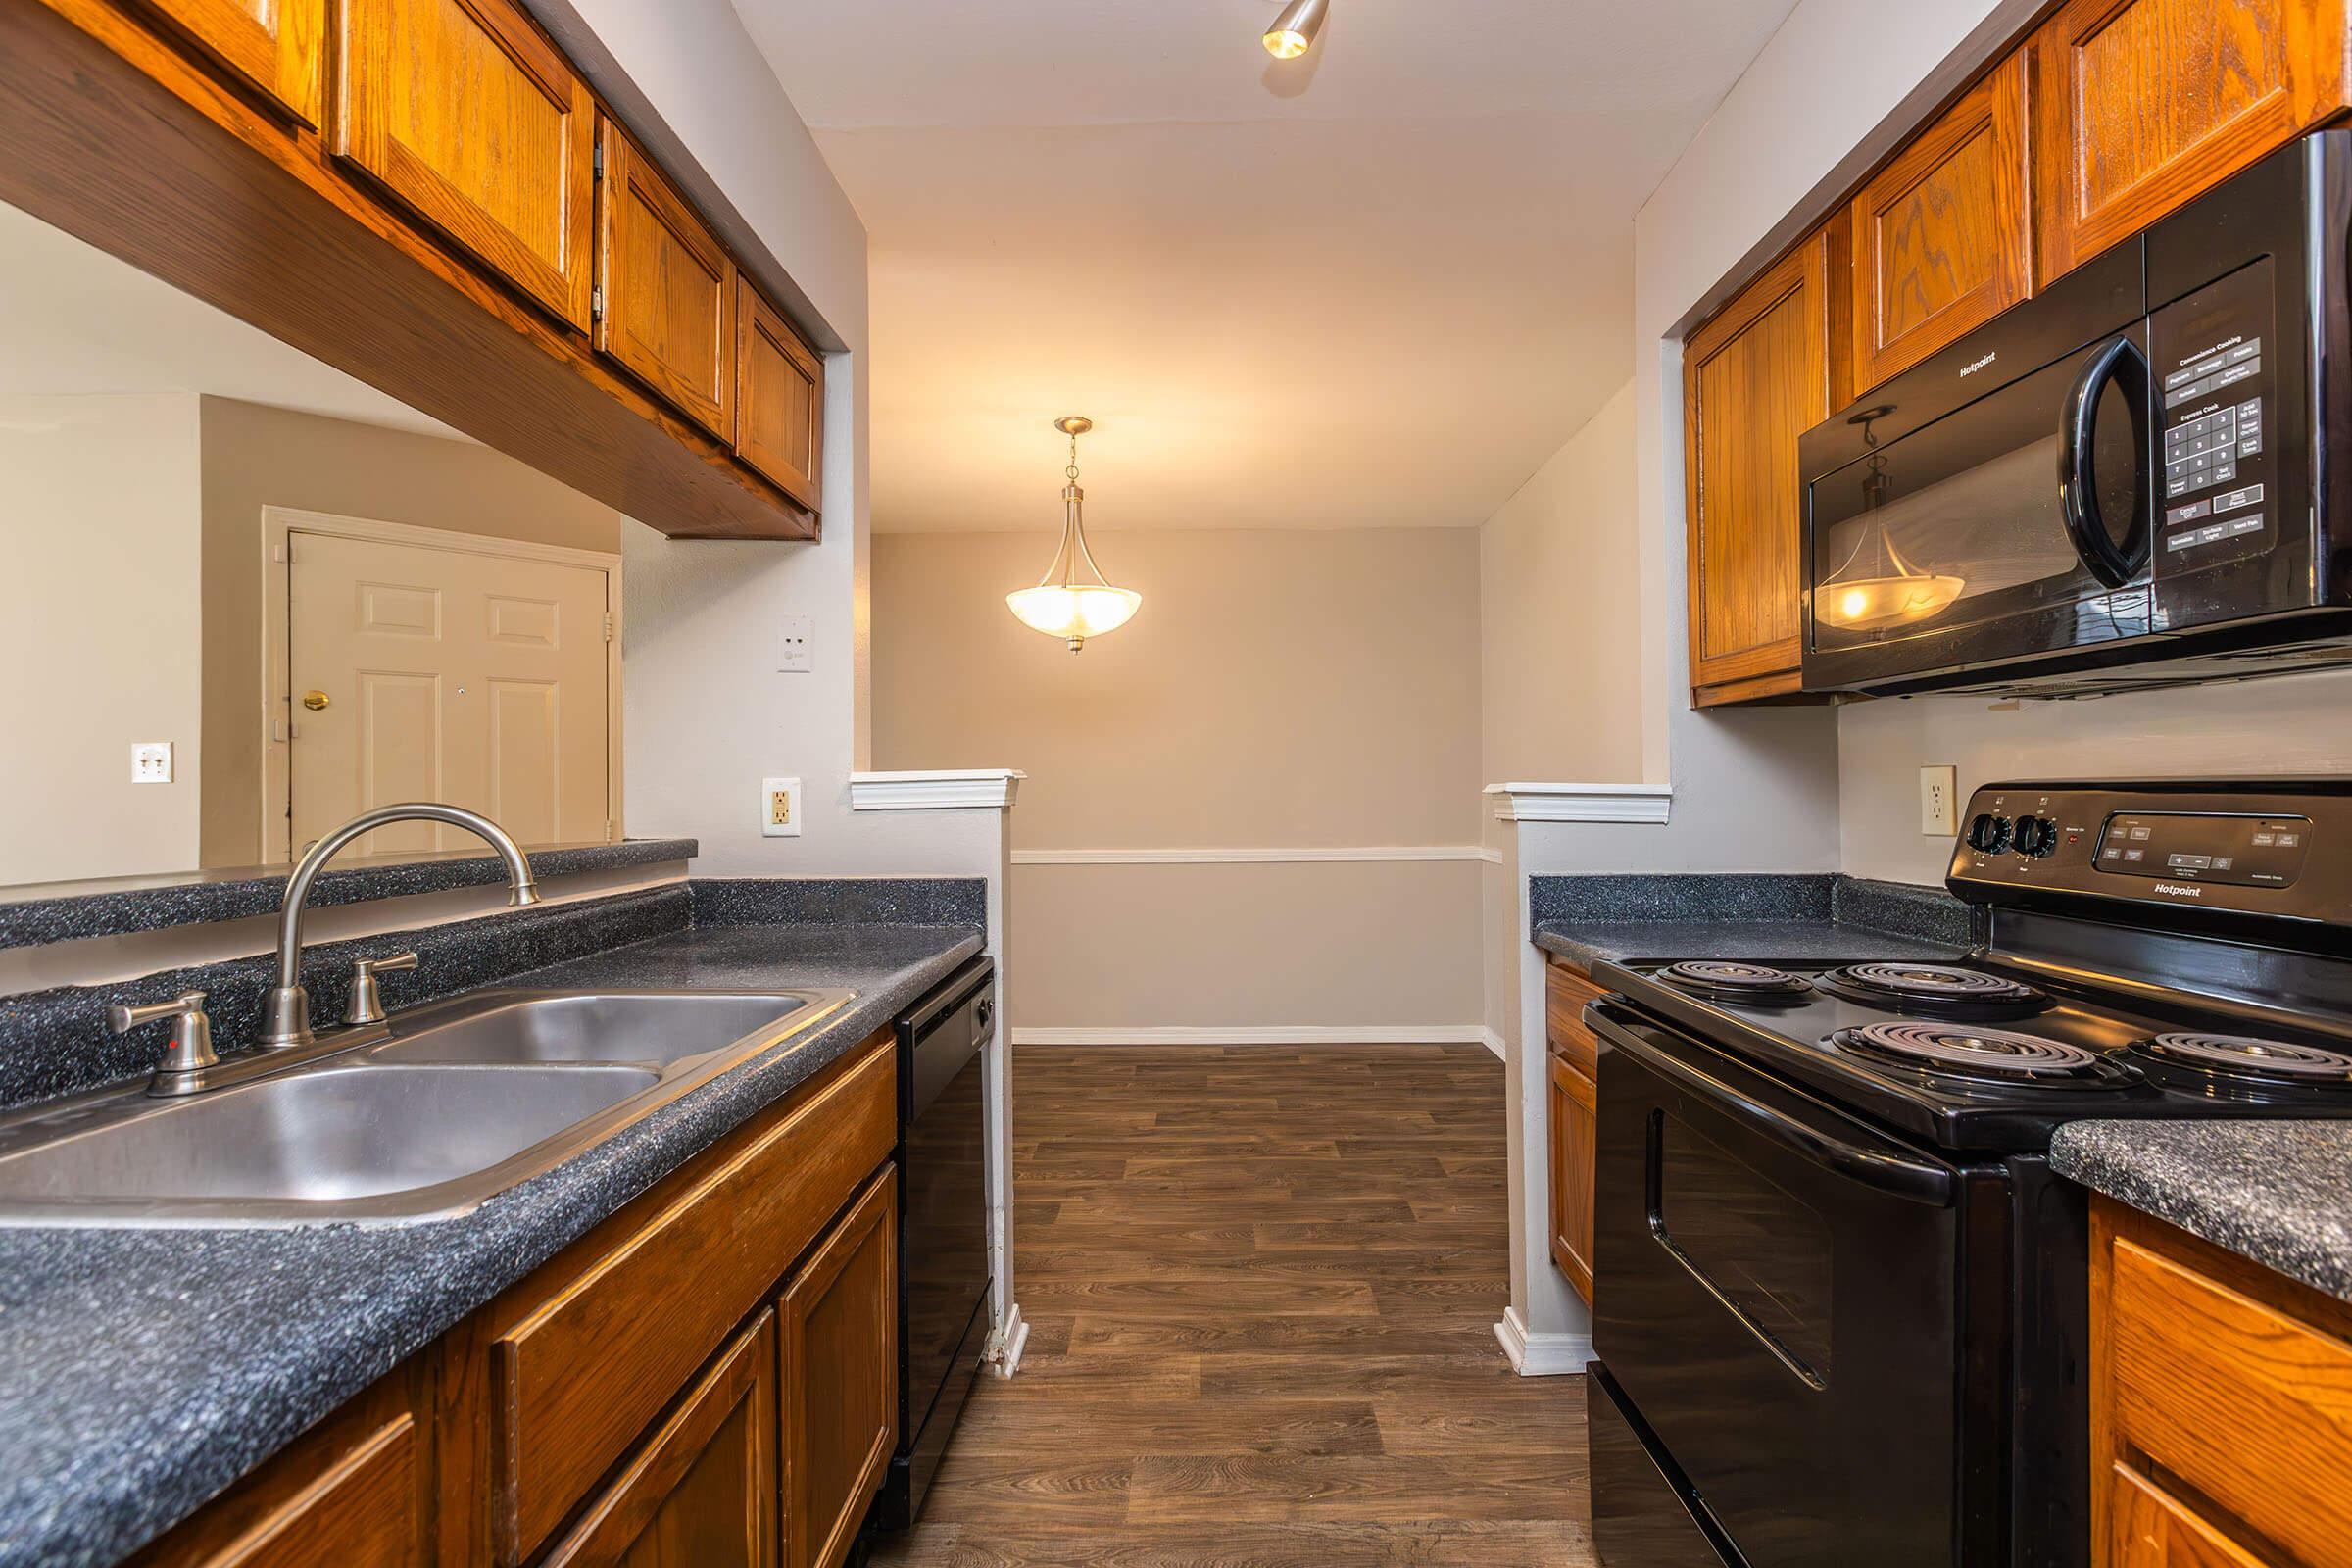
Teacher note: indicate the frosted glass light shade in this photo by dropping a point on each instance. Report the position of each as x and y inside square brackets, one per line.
[1866, 604]
[1076, 612]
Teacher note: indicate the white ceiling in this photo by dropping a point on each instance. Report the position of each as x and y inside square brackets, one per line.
[1374, 287]
[76, 321]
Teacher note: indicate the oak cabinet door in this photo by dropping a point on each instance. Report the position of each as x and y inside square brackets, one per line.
[1575, 1134]
[780, 401]
[277, 47]
[668, 288]
[701, 1491]
[2142, 104]
[1754, 378]
[2146, 1529]
[462, 111]
[355, 1491]
[1943, 235]
[837, 1328]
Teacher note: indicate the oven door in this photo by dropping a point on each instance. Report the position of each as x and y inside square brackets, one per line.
[2011, 528]
[1783, 1298]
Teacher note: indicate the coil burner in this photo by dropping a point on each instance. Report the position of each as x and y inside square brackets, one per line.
[1994, 1055]
[1944, 989]
[1726, 981]
[2266, 1061]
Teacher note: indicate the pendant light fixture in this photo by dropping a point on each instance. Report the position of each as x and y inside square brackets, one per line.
[1073, 600]
[1294, 32]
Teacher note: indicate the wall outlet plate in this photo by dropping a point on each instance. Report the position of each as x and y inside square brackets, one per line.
[796, 653]
[151, 762]
[1939, 802]
[780, 809]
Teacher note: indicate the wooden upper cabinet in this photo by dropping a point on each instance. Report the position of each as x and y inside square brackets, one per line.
[1943, 235]
[779, 399]
[277, 47]
[1754, 378]
[668, 288]
[462, 111]
[2140, 105]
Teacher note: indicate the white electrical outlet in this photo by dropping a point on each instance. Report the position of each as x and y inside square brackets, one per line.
[1939, 801]
[151, 762]
[795, 656]
[780, 809]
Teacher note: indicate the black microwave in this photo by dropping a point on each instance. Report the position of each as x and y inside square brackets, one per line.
[2137, 479]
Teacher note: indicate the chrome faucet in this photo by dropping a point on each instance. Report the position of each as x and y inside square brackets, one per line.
[286, 1008]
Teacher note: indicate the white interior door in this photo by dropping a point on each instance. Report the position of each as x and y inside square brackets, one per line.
[427, 673]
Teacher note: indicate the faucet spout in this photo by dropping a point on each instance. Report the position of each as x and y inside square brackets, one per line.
[286, 1009]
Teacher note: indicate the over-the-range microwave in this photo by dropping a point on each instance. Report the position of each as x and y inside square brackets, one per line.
[2141, 477]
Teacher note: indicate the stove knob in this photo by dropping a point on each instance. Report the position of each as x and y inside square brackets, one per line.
[1988, 834]
[2035, 836]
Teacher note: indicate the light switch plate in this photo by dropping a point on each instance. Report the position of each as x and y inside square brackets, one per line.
[1939, 802]
[780, 809]
[796, 653]
[151, 762]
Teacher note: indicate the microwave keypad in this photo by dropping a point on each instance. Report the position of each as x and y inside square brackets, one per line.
[2202, 453]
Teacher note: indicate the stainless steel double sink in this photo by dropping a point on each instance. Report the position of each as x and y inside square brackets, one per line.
[461, 1101]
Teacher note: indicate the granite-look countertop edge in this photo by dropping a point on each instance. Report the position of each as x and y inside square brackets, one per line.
[1586, 942]
[142, 1372]
[57, 913]
[2277, 1192]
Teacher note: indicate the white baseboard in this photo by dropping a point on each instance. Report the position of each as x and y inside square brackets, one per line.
[1007, 1343]
[1493, 1042]
[1541, 1356]
[1383, 1034]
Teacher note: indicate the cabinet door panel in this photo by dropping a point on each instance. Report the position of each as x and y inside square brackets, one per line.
[1943, 235]
[1754, 378]
[837, 1328]
[2149, 1530]
[460, 110]
[1575, 1133]
[669, 288]
[780, 409]
[355, 1490]
[702, 1491]
[279, 46]
[2142, 104]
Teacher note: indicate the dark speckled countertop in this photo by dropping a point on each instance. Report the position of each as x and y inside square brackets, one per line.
[143, 1371]
[2277, 1192]
[1763, 918]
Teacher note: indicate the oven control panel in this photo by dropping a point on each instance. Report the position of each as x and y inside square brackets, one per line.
[2256, 850]
[2216, 501]
[2249, 853]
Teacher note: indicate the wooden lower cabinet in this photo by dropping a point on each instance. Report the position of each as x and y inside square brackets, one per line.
[2220, 1405]
[837, 1329]
[701, 1491]
[707, 1379]
[1572, 1062]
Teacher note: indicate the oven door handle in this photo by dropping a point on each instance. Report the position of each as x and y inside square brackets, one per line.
[1882, 1172]
[2121, 363]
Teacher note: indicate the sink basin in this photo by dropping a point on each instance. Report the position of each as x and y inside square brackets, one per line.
[468, 1097]
[653, 1027]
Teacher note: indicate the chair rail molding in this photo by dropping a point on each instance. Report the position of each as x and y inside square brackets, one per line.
[935, 789]
[1643, 804]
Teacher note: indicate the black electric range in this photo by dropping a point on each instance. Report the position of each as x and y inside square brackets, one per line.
[1840, 1309]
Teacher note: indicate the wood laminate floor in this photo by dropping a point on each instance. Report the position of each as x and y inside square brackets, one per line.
[1261, 1286]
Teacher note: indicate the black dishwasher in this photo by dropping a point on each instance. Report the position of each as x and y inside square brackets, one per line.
[943, 1226]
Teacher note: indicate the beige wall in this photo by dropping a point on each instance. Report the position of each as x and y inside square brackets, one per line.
[1279, 690]
[255, 457]
[99, 624]
[1560, 620]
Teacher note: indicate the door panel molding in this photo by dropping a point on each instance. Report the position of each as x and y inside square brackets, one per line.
[280, 525]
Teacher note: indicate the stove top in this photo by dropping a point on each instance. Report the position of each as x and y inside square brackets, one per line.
[1970, 1056]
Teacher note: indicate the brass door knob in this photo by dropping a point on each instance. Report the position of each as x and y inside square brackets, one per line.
[315, 701]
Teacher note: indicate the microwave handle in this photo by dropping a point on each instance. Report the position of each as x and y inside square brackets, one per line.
[1888, 1173]
[2121, 363]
